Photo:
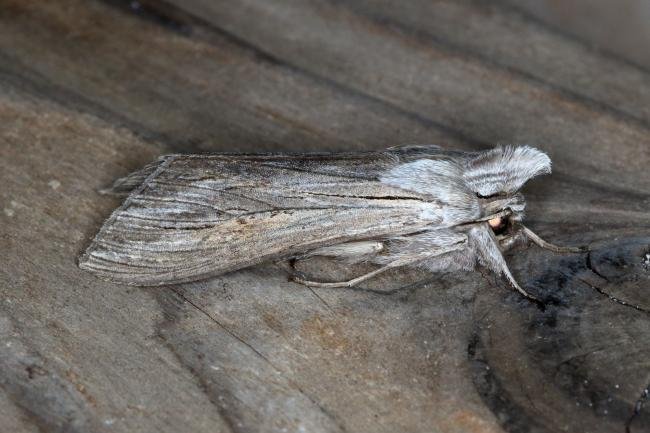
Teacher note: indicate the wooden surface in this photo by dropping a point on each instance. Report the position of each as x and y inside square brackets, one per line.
[620, 27]
[90, 90]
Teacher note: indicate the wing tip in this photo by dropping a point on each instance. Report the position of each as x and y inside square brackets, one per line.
[96, 261]
[112, 271]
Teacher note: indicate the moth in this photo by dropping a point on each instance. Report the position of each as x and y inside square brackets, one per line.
[191, 217]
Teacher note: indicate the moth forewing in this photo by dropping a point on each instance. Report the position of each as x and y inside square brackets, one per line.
[188, 217]
[199, 216]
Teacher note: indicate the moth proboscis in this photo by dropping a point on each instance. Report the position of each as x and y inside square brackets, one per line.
[190, 217]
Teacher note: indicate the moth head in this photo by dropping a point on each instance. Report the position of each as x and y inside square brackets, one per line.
[496, 177]
[502, 212]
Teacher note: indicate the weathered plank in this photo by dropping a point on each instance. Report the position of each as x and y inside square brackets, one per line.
[225, 94]
[618, 29]
[76, 356]
[447, 86]
[92, 90]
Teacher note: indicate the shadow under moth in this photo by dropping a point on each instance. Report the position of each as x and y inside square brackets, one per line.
[190, 217]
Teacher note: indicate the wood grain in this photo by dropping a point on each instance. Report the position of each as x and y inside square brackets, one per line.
[92, 90]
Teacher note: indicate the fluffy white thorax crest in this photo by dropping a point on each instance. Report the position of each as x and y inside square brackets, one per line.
[504, 169]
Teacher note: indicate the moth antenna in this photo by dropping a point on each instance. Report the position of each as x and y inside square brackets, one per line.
[549, 246]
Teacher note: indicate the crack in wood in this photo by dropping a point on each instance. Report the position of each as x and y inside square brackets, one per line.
[290, 382]
[614, 298]
[225, 328]
[638, 406]
[604, 293]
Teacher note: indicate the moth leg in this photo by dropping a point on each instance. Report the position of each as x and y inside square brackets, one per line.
[485, 243]
[508, 242]
[350, 252]
[350, 283]
[403, 261]
[506, 272]
[549, 246]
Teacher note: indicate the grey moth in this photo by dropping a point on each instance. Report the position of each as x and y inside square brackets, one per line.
[190, 217]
